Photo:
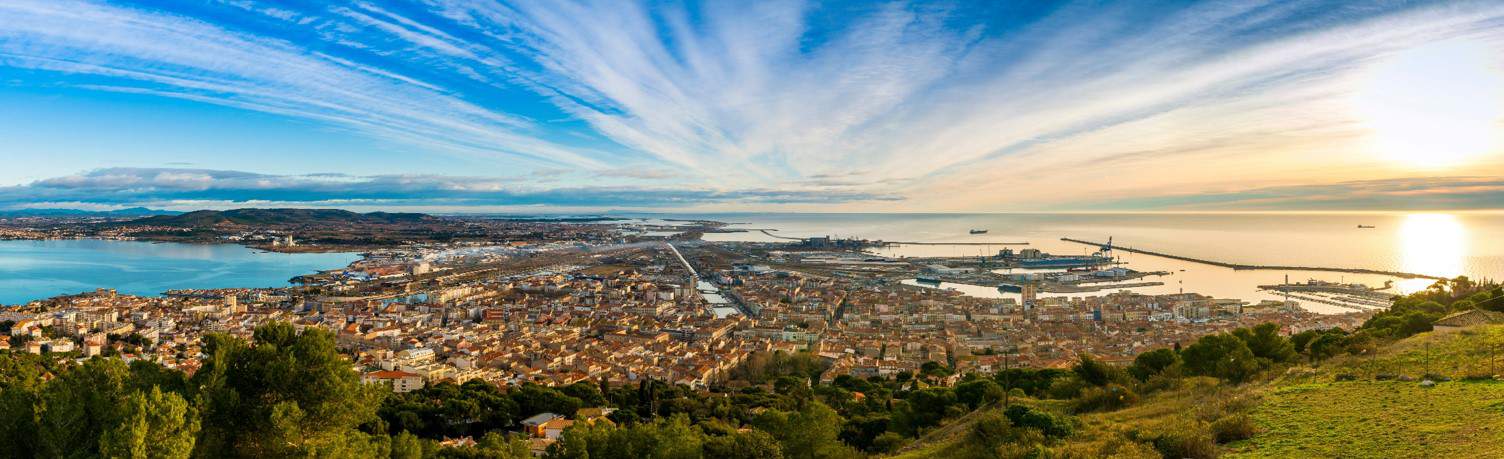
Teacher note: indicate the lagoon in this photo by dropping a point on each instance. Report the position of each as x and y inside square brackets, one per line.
[32, 270]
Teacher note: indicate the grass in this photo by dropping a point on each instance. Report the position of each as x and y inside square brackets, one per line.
[1348, 406]
[1378, 419]
[1116, 434]
[1310, 413]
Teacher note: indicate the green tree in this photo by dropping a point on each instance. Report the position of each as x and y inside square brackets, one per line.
[20, 381]
[1265, 342]
[924, 408]
[978, 392]
[532, 399]
[155, 424]
[1327, 345]
[809, 433]
[286, 393]
[1153, 362]
[1096, 373]
[405, 445]
[1222, 355]
[495, 445]
[76, 409]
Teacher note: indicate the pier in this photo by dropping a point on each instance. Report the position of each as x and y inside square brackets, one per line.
[1242, 267]
[770, 234]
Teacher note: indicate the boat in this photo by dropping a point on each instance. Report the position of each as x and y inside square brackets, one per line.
[927, 280]
[1366, 227]
[1035, 259]
[1057, 262]
[1010, 288]
[978, 231]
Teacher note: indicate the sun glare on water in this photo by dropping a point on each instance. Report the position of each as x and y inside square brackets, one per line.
[1433, 244]
[1434, 106]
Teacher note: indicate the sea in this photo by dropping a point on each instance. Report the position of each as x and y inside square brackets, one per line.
[1438, 244]
[32, 270]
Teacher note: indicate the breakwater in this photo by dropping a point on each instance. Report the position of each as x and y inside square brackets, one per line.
[1240, 266]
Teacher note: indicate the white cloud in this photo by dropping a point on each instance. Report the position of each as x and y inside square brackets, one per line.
[182, 57]
[952, 111]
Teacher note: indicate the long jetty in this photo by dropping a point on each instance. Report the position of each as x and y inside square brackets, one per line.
[1241, 267]
[770, 234]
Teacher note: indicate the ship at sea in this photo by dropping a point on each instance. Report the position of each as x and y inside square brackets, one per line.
[1366, 227]
[1035, 259]
[978, 231]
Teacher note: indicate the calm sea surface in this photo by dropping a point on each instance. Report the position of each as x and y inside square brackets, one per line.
[31, 270]
[1441, 244]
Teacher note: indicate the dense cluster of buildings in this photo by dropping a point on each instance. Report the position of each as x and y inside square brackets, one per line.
[630, 314]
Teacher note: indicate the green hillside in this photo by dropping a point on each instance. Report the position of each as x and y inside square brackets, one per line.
[1369, 405]
[1391, 388]
[1353, 406]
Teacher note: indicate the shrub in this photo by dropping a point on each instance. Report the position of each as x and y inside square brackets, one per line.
[1109, 398]
[1186, 440]
[1158, 383]
[1097, 373]
[1232, 428]
[1051, 425]
[1066, 388]
[888, 442]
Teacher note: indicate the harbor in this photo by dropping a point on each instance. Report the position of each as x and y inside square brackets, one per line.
[1348, 295]
[1242, 267]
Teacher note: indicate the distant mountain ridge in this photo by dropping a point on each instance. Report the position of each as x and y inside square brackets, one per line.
[127, 212]
[256, 217]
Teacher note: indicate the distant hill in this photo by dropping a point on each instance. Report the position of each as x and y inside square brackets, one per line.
[279, 217]
[128, 212]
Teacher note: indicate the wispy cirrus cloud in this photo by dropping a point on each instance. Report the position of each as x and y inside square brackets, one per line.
[148, 52]
[957, 106]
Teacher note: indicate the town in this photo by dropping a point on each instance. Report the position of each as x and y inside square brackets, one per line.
[584, 302]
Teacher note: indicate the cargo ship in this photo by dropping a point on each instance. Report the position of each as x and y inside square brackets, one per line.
[928, 280]
[978, 231]
[1034, 259]
[1010, 288]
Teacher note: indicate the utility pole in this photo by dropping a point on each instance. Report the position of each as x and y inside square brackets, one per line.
[1428, 360]
[1008, 376]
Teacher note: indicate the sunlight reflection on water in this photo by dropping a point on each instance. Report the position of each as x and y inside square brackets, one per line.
[1434, 244]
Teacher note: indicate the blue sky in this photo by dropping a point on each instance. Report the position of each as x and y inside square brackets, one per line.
[461, 105]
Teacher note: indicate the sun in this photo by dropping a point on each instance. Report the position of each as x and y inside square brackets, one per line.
[1434, 106]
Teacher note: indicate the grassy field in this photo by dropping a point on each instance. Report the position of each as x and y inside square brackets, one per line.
[1117, 434]
[1310, 413]
[1378, 419]
[1352, 406]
